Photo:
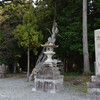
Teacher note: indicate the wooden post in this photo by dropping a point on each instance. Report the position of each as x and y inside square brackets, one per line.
[28, 64]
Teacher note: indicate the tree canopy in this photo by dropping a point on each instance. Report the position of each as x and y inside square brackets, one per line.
[30, 25]
[28, 34]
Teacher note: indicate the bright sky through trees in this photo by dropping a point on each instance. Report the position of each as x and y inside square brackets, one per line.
[27, 0]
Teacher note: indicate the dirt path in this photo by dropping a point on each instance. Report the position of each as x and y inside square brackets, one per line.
[16, 88]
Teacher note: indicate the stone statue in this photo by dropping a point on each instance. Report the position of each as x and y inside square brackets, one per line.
[47, 78]
[52, 39]
[42, 56]
[54, 31]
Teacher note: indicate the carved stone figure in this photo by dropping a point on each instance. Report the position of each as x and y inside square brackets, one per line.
[54, 31]
[52, 39]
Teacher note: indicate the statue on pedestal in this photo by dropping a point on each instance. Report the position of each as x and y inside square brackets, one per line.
[42, 56]
[47, 77]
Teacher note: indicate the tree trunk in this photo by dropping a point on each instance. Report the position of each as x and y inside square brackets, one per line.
[28, 64]
[85, 39]
[64, 61]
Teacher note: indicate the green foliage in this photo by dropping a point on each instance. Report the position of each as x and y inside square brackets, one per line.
[26, 22]
[82, 90]
[2, 60]
[1, 37]
[45, 15]
[2, 17]
[72, 74]
[10, 16]
[93, 24]
[70, 33]
[69, 18]
[96, 25]
[91, 73]
[28, 34]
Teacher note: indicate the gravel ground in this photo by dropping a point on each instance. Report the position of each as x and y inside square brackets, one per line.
[16, 88]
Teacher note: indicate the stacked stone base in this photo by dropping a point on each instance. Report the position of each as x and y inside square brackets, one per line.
[48, 80]
[47, 85]
[94, 85]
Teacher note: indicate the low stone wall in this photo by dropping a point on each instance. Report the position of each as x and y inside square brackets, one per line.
[3, 70]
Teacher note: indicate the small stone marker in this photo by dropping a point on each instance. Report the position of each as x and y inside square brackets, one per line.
[94, 85]
[3, 70]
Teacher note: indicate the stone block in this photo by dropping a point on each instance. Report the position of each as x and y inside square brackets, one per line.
[94, 85]
[95, 79]
[48, 80]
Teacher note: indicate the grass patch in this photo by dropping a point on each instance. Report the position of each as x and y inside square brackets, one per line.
[81, 90]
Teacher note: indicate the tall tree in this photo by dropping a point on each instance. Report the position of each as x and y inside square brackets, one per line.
[69, 37]
[85, 39]
[29, 35]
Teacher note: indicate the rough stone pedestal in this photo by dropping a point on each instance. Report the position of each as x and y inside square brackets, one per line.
[94, 85]
[48, 80]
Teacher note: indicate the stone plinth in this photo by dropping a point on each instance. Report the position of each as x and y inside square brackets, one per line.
[94, 85]
[49, 80]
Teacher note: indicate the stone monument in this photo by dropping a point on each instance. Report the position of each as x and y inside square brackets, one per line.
[94, 85]
[47, 78]
[3, 70]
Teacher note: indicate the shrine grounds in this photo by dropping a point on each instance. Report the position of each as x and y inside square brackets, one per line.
[15, 87]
